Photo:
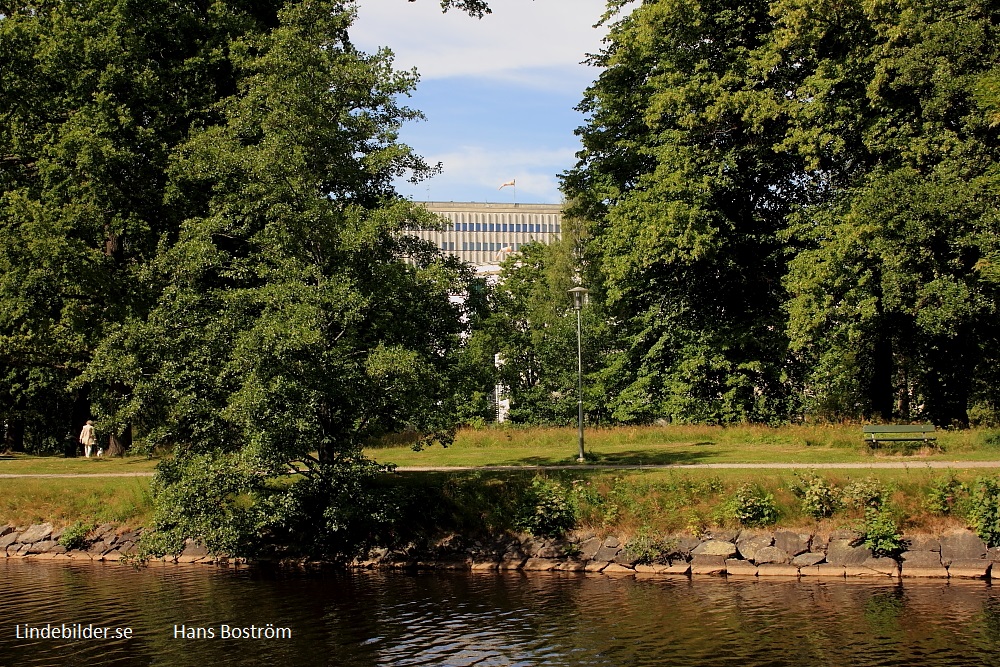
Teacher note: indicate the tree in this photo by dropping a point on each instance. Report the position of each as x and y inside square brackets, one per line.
[893, 302]
[688, 198]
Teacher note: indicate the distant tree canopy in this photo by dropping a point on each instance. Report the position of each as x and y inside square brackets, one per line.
[794, 208]
[200, 240]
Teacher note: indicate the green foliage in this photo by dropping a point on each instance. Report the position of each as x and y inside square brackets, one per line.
[984, 510]
[819, 498]
[549, 509]
[751, 506]
[650, 549]
[75, 535]
[881, 533]
[946, 495]
[867, 493]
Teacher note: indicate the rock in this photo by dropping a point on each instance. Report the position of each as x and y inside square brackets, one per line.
[792, 543]
[193, 549]
[771, 555]
[104, 529]
[777, 570]
[808, 559]
[918, 559]
[7, 540]
[715, 548]
[572, 566]
[722, 535]
[36, 533]
[676, 568]
[595, 566]
[749, 544]
[970, 569]
[615, 568]
[960, 545]
[611, 542]
[993, 554]
[736, 567]
[886, 566]
[646, 569]
[922, 543]
[683, 545]
[532, 547]
[539, 564]
[846, 534]
[709, 564]
[42, 547]
[607, 552]
[860, 571]
[509, 564]
[819, 543]
[840, 552]
[6, 530]
[823, 570]
[589, 548]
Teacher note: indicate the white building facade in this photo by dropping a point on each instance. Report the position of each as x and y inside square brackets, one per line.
[483, 234]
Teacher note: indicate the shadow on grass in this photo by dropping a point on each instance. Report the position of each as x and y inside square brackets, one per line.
[632, 457]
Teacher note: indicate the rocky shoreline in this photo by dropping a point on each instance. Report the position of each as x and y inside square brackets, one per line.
[957, 554]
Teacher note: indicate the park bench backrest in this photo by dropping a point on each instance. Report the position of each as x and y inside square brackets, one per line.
[926, 428]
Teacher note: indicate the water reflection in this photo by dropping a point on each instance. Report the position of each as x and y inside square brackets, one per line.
[361, 619]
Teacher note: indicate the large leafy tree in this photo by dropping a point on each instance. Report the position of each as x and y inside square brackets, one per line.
[893, 303]
[203, 209]
[688, 197]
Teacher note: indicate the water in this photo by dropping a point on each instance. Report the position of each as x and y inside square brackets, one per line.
[366, 618]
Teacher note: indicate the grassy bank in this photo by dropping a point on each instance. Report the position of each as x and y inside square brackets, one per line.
[678, 445]
[63, 501]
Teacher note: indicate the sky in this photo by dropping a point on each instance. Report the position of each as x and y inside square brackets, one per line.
[498, 93]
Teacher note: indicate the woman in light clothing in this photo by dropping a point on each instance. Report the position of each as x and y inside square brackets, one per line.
[87, 438]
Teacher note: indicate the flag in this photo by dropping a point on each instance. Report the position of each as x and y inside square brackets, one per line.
[510, 183]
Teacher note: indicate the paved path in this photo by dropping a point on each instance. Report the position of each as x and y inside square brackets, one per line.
[874, 465]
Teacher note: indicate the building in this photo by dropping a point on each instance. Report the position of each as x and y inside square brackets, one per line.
[483, 234]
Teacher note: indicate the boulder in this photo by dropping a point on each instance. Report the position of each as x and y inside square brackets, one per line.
[595, 566]
[791, 542]
[970, 569]
[36, 533]
[749, 544]
[736, 567]
[922, 543]
[609, 549]
[6, 530]
[959, 545]
[7, 540]
[722, 535]
[589, 548]
[808, 559]
[823, 570]
[42, 547]
[840, 552]
[819, 543]
[715, 548]
[777, 570]
[615, 568]
[886, 566]
[921, 559]
[708, 564]
[539, 565]
[771, 555]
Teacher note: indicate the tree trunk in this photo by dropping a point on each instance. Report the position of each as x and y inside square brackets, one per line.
[79, 417]
[13, 437]
[119, 444]
[880, 391]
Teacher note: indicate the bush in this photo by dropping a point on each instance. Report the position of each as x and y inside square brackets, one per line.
[75, 536]
[881, 534]
[866, 493]
[820, 498]
[549, 509]
[984, 510]
[752, 506]
[945, 495]
[648, 549]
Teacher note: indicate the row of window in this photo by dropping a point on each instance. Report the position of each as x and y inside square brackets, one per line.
[469, 246]
[530, 228]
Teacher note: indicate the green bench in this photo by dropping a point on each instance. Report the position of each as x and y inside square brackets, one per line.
[876, 433]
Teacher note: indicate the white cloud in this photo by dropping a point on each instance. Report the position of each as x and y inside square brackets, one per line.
[477, 172]
[539, 43]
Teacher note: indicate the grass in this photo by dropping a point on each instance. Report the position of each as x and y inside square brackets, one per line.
[679, 445]
[124, 501]
[22, 464]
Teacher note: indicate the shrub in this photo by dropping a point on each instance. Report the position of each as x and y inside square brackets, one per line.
[648, 549]
[984, 510]
[881, 534]
[945, 495]
[866, 493]
[75, 536]
[752, 506]
[819, 497]
[549, 509]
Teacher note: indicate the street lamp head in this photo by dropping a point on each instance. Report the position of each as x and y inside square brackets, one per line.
[579, 293]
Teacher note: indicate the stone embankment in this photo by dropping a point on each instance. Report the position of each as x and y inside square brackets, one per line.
[784, 553]
[105, 543]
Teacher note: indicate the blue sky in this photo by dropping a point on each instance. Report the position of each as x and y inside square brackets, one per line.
[498, 93]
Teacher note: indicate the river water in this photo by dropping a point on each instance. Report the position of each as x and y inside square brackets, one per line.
[372, 618]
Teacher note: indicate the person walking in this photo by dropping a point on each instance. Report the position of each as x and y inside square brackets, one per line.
[87, 438]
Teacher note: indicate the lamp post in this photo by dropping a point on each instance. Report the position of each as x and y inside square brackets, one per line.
[579, 293]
